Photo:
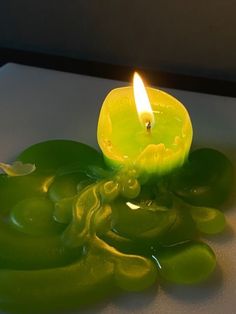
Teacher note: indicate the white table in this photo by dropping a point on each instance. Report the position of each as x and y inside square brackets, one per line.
[38, 104]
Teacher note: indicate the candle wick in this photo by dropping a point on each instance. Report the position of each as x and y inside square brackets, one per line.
[148, 126]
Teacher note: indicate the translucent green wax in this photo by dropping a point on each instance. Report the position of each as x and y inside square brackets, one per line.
[187, 263]
[205, 180]
[74, 231]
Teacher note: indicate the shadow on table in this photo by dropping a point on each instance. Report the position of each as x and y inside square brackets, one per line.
[125, 301]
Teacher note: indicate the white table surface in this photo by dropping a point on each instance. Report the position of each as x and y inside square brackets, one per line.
[38, 104]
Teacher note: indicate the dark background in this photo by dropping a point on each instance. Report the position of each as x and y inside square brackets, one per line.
[196, 38]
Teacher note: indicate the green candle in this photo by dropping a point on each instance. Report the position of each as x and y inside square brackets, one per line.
[73, 230]
[145, 129]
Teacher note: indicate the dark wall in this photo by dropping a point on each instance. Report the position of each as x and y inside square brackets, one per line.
[182, 36]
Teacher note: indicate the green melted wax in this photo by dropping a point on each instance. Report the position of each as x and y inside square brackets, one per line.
[73, 231]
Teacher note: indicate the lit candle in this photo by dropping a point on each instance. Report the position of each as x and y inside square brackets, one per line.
[69, 235]
[144, 128]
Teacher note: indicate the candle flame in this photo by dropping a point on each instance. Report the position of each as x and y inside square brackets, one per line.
[142, 102]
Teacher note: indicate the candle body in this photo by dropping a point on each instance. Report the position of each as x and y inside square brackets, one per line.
[124, 141]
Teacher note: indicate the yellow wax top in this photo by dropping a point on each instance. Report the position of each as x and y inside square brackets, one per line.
[125, 140]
